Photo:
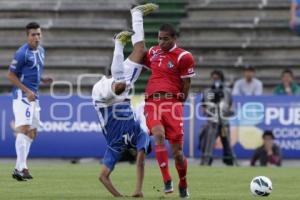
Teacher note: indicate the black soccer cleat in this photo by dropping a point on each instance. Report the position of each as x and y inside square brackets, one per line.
[26, 174]
[168, 187]
[184, 193]
[19, 176]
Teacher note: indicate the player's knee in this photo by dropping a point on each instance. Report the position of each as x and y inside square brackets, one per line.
[159, 133]
[139, 48]
[23, 129]
[159, 138]
[138, 53]
[102, 178]
[32, 133]
[178, 156]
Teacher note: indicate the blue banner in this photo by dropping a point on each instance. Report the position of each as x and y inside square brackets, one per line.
[253, 115]
[71, 127]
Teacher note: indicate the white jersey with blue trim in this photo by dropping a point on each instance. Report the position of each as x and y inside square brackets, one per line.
[103, 94]
[28, 65]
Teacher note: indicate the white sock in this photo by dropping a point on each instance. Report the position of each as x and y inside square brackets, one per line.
[28, 144]
[21, 151]
[117, 68]
[137, 26]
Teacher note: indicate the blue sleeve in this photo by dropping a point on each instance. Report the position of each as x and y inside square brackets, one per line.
[18, 62]
[111, 158]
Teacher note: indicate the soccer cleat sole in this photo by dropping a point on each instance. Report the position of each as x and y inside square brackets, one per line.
[124, 37]
[146, 9]
[18, 177]
[169, 191]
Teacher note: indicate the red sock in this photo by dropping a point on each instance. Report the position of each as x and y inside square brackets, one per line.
[161, 155]
[182, 169]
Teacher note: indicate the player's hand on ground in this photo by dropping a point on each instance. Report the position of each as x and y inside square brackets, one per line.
[120, 195]
[138, 195]
[30, 95]
[47, 80]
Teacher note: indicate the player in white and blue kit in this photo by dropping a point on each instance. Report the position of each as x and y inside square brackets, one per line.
[25, 73]
[111, 99]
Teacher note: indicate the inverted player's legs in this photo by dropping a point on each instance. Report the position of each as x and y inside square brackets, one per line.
[138, 53]
[137, 38]
[117, 68]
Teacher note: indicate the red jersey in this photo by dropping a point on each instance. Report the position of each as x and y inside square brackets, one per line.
[168, 69]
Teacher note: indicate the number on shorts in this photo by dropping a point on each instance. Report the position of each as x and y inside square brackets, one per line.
[27, 112]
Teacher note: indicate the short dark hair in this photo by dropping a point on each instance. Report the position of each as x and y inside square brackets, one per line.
[287, 71]
[32, 25]
[268, 133]
[218, 73]
[249, 68]
[169, 28]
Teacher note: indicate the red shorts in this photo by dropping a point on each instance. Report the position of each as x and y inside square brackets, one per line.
[168, 113]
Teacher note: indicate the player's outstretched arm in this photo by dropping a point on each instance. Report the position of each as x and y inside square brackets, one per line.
[140, 168]
[105, 180]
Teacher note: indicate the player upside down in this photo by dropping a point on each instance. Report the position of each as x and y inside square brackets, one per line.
[111, 101]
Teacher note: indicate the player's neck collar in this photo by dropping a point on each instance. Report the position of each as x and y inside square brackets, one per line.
[174, 47]
[33, 50]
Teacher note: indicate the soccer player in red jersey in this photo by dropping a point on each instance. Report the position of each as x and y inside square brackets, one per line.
[167, 89]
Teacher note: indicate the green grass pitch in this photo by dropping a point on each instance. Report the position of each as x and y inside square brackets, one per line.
[64, 181]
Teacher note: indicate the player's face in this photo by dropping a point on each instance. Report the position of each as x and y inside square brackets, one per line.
[34, 37]
[166, 41]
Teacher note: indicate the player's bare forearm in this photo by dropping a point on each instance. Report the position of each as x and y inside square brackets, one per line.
[140, 170]
[16, 82]
[186, 87]
[11, 76]
[105, 180]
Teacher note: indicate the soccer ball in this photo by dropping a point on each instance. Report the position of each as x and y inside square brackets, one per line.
[261, 186]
